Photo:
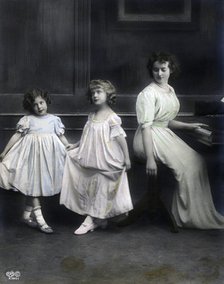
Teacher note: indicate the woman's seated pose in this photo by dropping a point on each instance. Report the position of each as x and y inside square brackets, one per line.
[154, 141]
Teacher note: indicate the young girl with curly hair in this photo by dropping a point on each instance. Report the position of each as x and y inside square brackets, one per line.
[95, 180]
[33, 160]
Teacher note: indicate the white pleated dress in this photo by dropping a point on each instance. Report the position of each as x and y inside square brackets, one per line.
[192, 204]
[95, 181]
[34, 165]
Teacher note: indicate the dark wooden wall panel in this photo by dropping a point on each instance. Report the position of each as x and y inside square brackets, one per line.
[59, 45]
[36, 45]
[121, 48]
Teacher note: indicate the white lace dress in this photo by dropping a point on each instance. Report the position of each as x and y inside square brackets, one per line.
[95, 181]
[192, 204]
[34, 165]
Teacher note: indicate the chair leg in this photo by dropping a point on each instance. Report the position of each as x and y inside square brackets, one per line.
[152, 203]
[140, 207]
[156, 205]
[170, 218]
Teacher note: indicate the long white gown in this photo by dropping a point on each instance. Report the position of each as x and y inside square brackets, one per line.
[95, 181]
[192, 204]
[34, 165]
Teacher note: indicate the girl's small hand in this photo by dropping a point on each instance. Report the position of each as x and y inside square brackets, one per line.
[151, 167]
[194, 126]
[127, 163]
[72, 146]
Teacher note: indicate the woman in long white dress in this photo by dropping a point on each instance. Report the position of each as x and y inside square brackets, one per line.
[154, 141]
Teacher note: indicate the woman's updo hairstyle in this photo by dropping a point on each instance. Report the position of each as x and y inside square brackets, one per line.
[164, 57]
[30, 97]
[107, 86]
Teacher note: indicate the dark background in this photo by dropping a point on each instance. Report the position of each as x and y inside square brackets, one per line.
[59, 45]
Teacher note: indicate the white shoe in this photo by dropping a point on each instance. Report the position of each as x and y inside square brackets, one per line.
[30, 222]
[85, 228]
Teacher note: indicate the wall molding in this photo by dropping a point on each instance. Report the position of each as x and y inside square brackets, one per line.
[184, 16]
[77, 105]
[129, 120]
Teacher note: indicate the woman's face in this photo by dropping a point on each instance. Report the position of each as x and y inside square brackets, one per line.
[161, 72]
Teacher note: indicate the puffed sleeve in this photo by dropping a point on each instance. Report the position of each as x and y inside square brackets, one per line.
[23, 125]
[59, 126]
[115, 126]
[145, 108]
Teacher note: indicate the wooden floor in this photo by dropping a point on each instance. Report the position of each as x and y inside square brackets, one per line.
[139, 253]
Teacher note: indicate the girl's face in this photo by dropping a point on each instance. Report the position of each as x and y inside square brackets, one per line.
[40, 106]
[161, 72]
[99, 96]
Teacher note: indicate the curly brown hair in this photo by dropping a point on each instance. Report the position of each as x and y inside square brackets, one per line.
[30, 96]
[164, 57]
[107, 86]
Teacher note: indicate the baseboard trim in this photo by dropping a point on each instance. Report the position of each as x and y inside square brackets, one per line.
[86, 114]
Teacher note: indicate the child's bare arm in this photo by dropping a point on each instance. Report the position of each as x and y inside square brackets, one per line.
[67, 144]
[12, 141]
[72, 146]
[123, 143]
[63, 140]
